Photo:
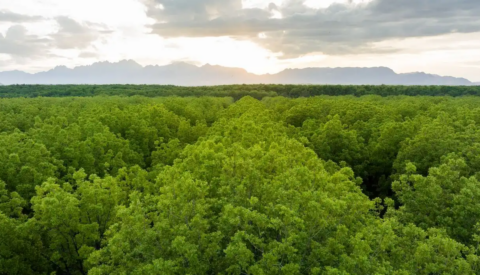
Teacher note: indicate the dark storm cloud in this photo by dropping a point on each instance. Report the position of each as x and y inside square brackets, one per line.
[7, 16]
[340, 29]
[17, 42]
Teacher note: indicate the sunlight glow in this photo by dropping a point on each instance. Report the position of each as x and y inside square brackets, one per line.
[262, 35]
[276, 15]
[323, 4]
[259, 4]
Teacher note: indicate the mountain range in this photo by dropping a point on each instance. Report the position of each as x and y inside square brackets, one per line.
[184, 74]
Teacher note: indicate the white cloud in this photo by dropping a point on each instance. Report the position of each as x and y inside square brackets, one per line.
[260, 4]
[276, 14]
[110, 12]
[322, 4]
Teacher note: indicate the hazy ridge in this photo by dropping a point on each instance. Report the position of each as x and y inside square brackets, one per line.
[183, 74]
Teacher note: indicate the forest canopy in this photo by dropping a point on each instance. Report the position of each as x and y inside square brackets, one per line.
[369, 182]
[257, 91]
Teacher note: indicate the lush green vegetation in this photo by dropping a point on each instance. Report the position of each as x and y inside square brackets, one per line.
[235, 91]
[210, 185]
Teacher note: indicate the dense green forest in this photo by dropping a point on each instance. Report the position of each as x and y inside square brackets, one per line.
[234, 91]
[234, 184]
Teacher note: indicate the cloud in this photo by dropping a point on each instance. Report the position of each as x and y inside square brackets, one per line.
[88, 55]
[74, 35]
[18, 43]
[342, 28]
[196, 10]
[7, 16]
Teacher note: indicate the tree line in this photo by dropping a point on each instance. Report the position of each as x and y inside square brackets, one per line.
[257, 91]
[214, 185]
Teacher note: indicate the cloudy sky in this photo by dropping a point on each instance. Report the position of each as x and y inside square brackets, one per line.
[262, 36]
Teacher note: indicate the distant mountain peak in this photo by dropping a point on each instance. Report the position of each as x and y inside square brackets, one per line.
[128, 62]
[181, 64]
[120, 64]
[60, 68]
[185, 74]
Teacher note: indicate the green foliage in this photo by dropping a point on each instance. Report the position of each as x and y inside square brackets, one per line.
[257, 91]
[25, 163]
[237, 185]
[333, 141]
[443, 199]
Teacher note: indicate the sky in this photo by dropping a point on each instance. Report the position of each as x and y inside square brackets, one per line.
[433, 36]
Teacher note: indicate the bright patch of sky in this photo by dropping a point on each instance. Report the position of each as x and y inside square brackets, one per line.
[322, 4]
